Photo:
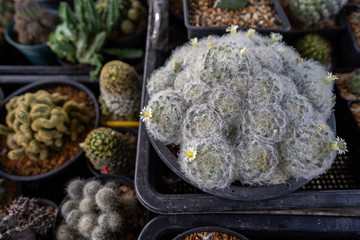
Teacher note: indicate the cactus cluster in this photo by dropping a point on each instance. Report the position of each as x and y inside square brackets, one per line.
[6, 14]
[120, 90]
[316, 47]
[110, 151]
[32, 24]
[314, 12]
[353, 83]
[26, 214]
[120, 16]
[95, 211]
[37, 123]
[243, 107]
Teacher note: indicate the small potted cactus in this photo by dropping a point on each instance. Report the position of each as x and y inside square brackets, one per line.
[316, 47]
[103, 208]
[110, 151]
[30, 30]
[42, 125]
[120, 93]
[28, 218]
[242, 107]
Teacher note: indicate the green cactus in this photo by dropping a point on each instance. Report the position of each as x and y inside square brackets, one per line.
[104, 216]
[248, 100]
[32, 24]
[109, 151]
[314, 46]
[6, 14]
[230, 4]
[120, 90]
[353, 83]
[312, 12]
[36, 124]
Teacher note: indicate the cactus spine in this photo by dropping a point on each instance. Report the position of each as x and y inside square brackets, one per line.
[313, 46]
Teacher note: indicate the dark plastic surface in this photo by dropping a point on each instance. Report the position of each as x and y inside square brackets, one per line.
[46, 84]
[280, 227]
[202, 31]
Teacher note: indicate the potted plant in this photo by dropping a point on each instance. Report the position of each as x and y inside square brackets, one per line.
[43, 124]
[110, 151]
[101, 208]
[30, 30]
[223, 105]
[204, 18]
[28, 218]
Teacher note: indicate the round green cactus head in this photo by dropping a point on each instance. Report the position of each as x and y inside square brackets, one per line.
[316, 47]
[353, 84]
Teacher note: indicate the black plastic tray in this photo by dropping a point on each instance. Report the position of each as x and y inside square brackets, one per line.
[257, 226]
[201, 31]
[161, 191]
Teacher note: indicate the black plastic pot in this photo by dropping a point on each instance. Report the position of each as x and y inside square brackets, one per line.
[96, 172]
[209, 229]
[49, 3]
[202, 31]
[256, 226]
[1, 95]
[33, 87]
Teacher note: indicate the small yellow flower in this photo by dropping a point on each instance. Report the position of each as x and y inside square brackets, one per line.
[194, 42]
[176, 65]
[232, 29]
[146, 114]
[299, 60]
[190, 154]
[320, 128]
[339, 145]
[243, 52]
[275, 37]
[251, 33]
[330, 78]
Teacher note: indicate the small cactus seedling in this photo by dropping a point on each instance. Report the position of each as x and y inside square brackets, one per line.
[110, 151]
[316, 47]
[353, 84]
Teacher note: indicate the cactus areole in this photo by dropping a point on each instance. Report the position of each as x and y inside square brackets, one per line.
[243, 107]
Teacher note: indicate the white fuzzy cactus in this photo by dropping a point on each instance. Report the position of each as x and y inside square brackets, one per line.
[243, 107]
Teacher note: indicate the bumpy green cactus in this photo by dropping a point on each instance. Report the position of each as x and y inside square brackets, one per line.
[311, 12]
[110, 151]
[99, 216]
[120, 90]
[241, 106]
[314, 46]
[6, 14]
[38, 122]
[32, 24]
[353, 84]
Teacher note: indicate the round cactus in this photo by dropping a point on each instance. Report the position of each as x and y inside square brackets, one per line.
[309, 12]
[110, 151]
[106, 200]
[258, 94]
[120, 89]
[353, 84]
[90, 189]
[313, 46]
[68, 206]
[75, 189]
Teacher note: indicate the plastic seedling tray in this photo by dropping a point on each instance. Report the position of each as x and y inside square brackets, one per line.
[256, 226]
[162, 191]
[201, 31]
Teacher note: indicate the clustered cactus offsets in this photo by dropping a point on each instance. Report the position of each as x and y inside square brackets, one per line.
[315, 12]
[25, 214]
[37, 123]
[110, 151]
[98, 211]
[243, 107]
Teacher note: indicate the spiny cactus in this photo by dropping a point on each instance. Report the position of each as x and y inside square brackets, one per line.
[353, 83]
[32, 24]
[312, 12]
[37, 123]
[314, 46]
[104, 215]
[120, 15]
[260, 102]
[6, 14]
[110, 151]
[26, 214]
[120, 90]
[230, 4]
